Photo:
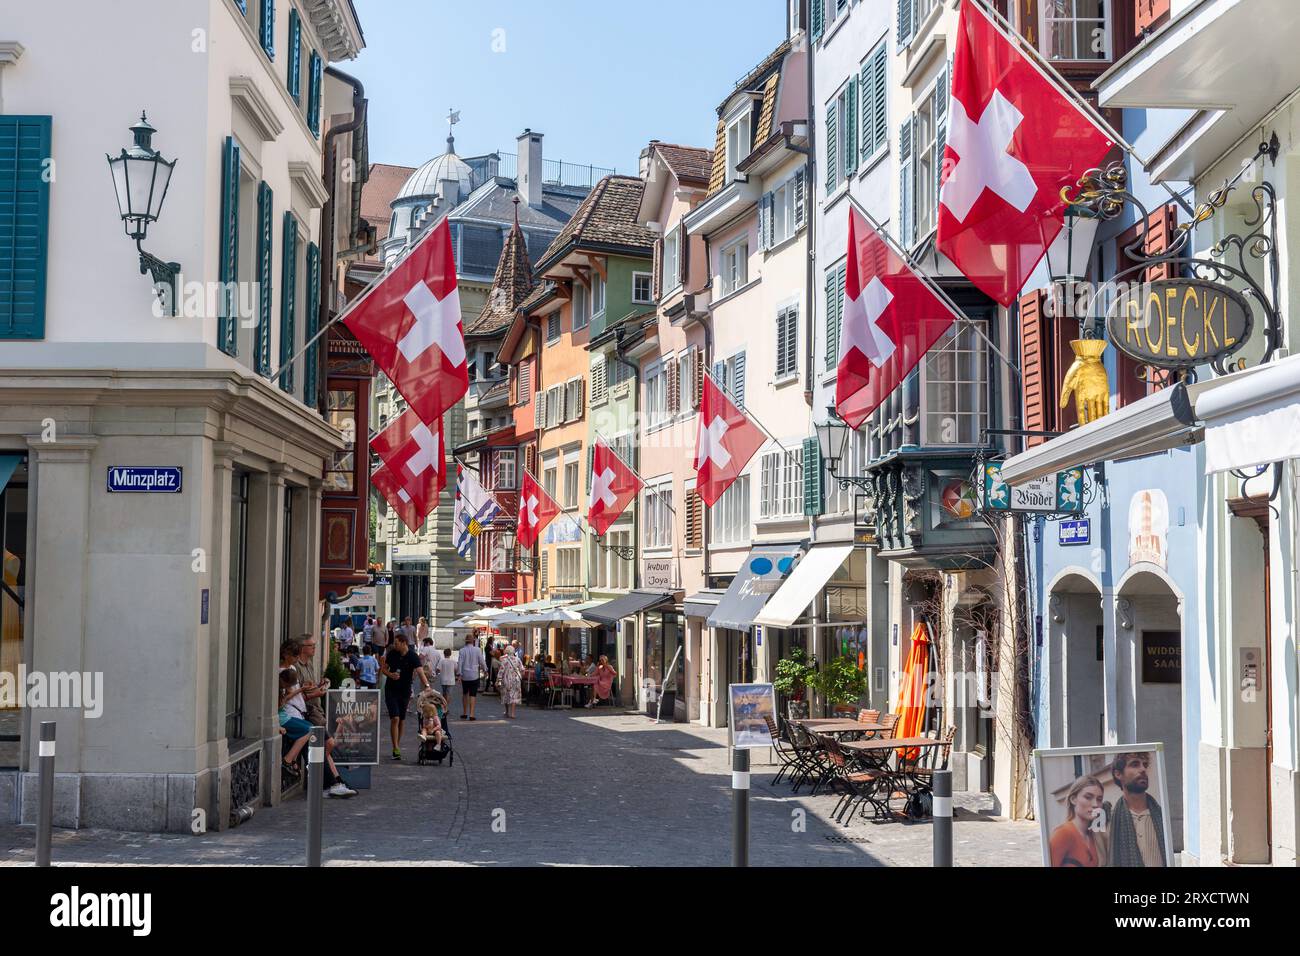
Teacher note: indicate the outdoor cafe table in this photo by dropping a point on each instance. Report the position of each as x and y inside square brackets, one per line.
[879, 750]
[840, 725]
[571, 682]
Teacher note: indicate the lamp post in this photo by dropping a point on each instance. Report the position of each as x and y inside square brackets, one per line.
[140, 179]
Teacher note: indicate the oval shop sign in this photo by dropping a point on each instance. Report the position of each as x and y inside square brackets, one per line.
[1179, 323]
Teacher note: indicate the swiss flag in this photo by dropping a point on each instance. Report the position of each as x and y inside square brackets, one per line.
[724, 443]
[613, 485]
[536, 509]
[410, 324]
[416, 453]
[1014, 142]
[408, 501]
[891, 318]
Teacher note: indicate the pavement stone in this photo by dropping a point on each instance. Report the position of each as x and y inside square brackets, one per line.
[558, 788]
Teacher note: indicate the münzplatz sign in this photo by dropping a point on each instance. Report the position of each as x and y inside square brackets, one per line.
[1178, 323]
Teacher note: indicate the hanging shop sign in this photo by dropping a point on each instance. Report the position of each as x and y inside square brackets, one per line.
[1061, 493]
[1179, 323]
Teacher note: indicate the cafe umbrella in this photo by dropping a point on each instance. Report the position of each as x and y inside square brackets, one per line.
[912, 692]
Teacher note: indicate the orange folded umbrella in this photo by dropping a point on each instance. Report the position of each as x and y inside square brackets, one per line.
[911, 693]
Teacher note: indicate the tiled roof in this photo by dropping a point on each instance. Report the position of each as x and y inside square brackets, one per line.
[688, 163]
[510, 286]
[771, 64]
[538, 294]
[378, 193]
[607, 216]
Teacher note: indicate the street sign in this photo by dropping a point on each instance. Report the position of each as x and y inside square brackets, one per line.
[1076, 531]
[145, 479]
[1051, 494]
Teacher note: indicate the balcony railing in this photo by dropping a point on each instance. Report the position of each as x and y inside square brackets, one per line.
[555, 172]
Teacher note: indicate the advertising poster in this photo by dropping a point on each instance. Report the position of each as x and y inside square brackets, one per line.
[751, 707]
[352, 719]
[1104, 806]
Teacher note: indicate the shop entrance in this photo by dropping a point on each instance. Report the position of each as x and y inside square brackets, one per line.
[411, 590]
[13, 567]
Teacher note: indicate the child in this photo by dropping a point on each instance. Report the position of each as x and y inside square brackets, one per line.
[292, 716]
[429, 703]
[369, 667]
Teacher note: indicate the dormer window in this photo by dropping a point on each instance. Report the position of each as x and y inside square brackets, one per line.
[739, 140]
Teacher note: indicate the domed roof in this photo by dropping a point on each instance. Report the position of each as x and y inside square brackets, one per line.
[425, 181]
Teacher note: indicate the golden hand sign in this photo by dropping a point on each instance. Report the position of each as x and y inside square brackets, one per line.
[1087, 380]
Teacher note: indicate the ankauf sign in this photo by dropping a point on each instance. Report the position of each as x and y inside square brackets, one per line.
[1179, 323]
[1052, 494]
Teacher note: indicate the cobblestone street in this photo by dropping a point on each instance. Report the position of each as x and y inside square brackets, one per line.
[566, 787]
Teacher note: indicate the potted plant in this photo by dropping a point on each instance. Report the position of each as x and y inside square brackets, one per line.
[840, 682]
[791, 680]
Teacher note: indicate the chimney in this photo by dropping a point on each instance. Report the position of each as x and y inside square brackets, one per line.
[529, 173]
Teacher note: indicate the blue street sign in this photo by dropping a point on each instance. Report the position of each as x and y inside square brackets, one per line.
[163, 479]
[1076, 531]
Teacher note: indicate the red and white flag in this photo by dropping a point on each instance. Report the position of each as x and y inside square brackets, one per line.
[891, 318]
[1014, 141]
[724, 444]
[410, 324]
[416, 453]
[536, 509]
[613, 486]
[409, 503]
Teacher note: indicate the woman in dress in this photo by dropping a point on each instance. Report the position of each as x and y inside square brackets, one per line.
[1075, 842]
[604, 675]
[421, 632]
[509, 677]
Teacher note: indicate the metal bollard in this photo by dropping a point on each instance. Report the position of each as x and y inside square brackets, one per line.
[740, 802]
[315, 797]
[942, 797]
[45, 808]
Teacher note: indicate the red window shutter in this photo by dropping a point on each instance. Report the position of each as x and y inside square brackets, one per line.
[1035, 360]
[694, 520]
[1159, 234]
[656, 281]
[1146, 13]
[674, 392]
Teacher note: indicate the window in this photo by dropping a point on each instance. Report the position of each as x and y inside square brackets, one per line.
[507, 461]
[729, 374]
[1074, 30]
[554, 405]
[834, 313]
[642, 288]
[619, 372]
[597, 295]
[670, 270]
[573, 400]
[550, 478]
[729, 517]
[340, 476]
[656, 394]
[954, 383]
[921, 140]
[780, 490]
[912, 15]
[606, 569]
[501, 553]
[599, 380]
[553, 327]
[25, 142]
[581, 307]
[684, 401]
[571, 482]
[873, 91]
[658, 518]
[738, 140]
[734, 266]
[842, 135]
[781, 212]
[787, 342]
[568, 567]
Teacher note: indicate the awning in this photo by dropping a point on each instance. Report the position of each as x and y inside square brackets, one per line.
[800, 588]
[1253, 417]
[757, 580]
[466, 585]
[702, 603]
[634, 602]
[8, 465]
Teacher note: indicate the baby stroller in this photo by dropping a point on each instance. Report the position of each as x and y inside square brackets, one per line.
[430, 750]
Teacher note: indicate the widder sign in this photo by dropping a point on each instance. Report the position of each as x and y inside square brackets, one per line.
[1179, 323]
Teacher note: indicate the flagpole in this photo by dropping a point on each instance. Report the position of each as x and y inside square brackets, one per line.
[748, 414]
[1050, 73]
[461, 463]
[644, 484]
[959, 314]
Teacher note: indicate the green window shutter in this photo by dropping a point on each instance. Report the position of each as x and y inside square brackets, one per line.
[851, 128]
[265, 225]
[311, 370]
[940, 114]
[831, 177]
[313, 93]
[832, 320]
[228, 254]
[591, 460]
[818, 9]
[841, 274]
[738, 385]
[866, 131]
[906, 8]
[24, 225]
[880, 109]
[812, 477]
[295, 56]
[288, 296]
[268, 27]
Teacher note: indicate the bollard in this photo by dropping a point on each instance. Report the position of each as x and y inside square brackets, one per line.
[45, 808]
[740, 801]
[942, 796]
[315, 797]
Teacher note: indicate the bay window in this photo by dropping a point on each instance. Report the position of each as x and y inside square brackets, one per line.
[954, 387]
[1074, 29]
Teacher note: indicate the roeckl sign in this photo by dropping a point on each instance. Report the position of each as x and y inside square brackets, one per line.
[1179, 323]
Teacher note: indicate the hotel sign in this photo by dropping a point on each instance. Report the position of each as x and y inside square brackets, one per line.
[1179, 323]
[1061, 493]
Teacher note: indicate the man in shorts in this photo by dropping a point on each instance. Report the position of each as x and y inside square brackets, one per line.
[400, 666]
[469, 668]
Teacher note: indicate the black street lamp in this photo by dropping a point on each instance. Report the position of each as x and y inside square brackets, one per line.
[140, 178]
[832, 441]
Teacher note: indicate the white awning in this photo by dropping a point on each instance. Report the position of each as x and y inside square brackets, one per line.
[800, 588]
[1252, 417]
[466, 585]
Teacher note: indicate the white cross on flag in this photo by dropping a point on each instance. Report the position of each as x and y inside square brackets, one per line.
[406, 498]
[410, 324]
[724, 443]
[417, 457]
[536, 509]
[1014, 141]
[613, 486]
[891, 318]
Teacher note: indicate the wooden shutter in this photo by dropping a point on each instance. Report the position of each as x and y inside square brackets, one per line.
[681, 253]
[765, 222]
[851, 127]
[265, 272]
[228, 253]
[906, 219]
[656, 275]
[24, 225]
[813, 503]
[579, 393]
[314, 94]
[697, 391]
[525, 387]
[311, 366]
[798, 184]
[288, 299]
[1146, 13]
[905, 24]
[1160, 227]
[673, 398]
[599, 381]
[866, 114]
[267, 31]
[738, 385]
[832, 320]
[818, 17]
[295, 56]
[939, 111]
[591, 461]
[831, 178]
[880, 100]
[545, 572]
[539, 411]
[1035, 364]
[694, 520]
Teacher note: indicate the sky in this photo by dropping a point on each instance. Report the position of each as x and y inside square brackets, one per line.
[600, 78]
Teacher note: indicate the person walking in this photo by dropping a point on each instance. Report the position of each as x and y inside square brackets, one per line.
[421, 631]
[447, 674]
[510, 674]
[470, 668]
[400, 666]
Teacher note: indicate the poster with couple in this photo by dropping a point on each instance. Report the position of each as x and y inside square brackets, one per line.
[1104, 806]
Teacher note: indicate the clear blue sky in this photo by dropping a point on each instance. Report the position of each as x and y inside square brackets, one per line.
[600, 79]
